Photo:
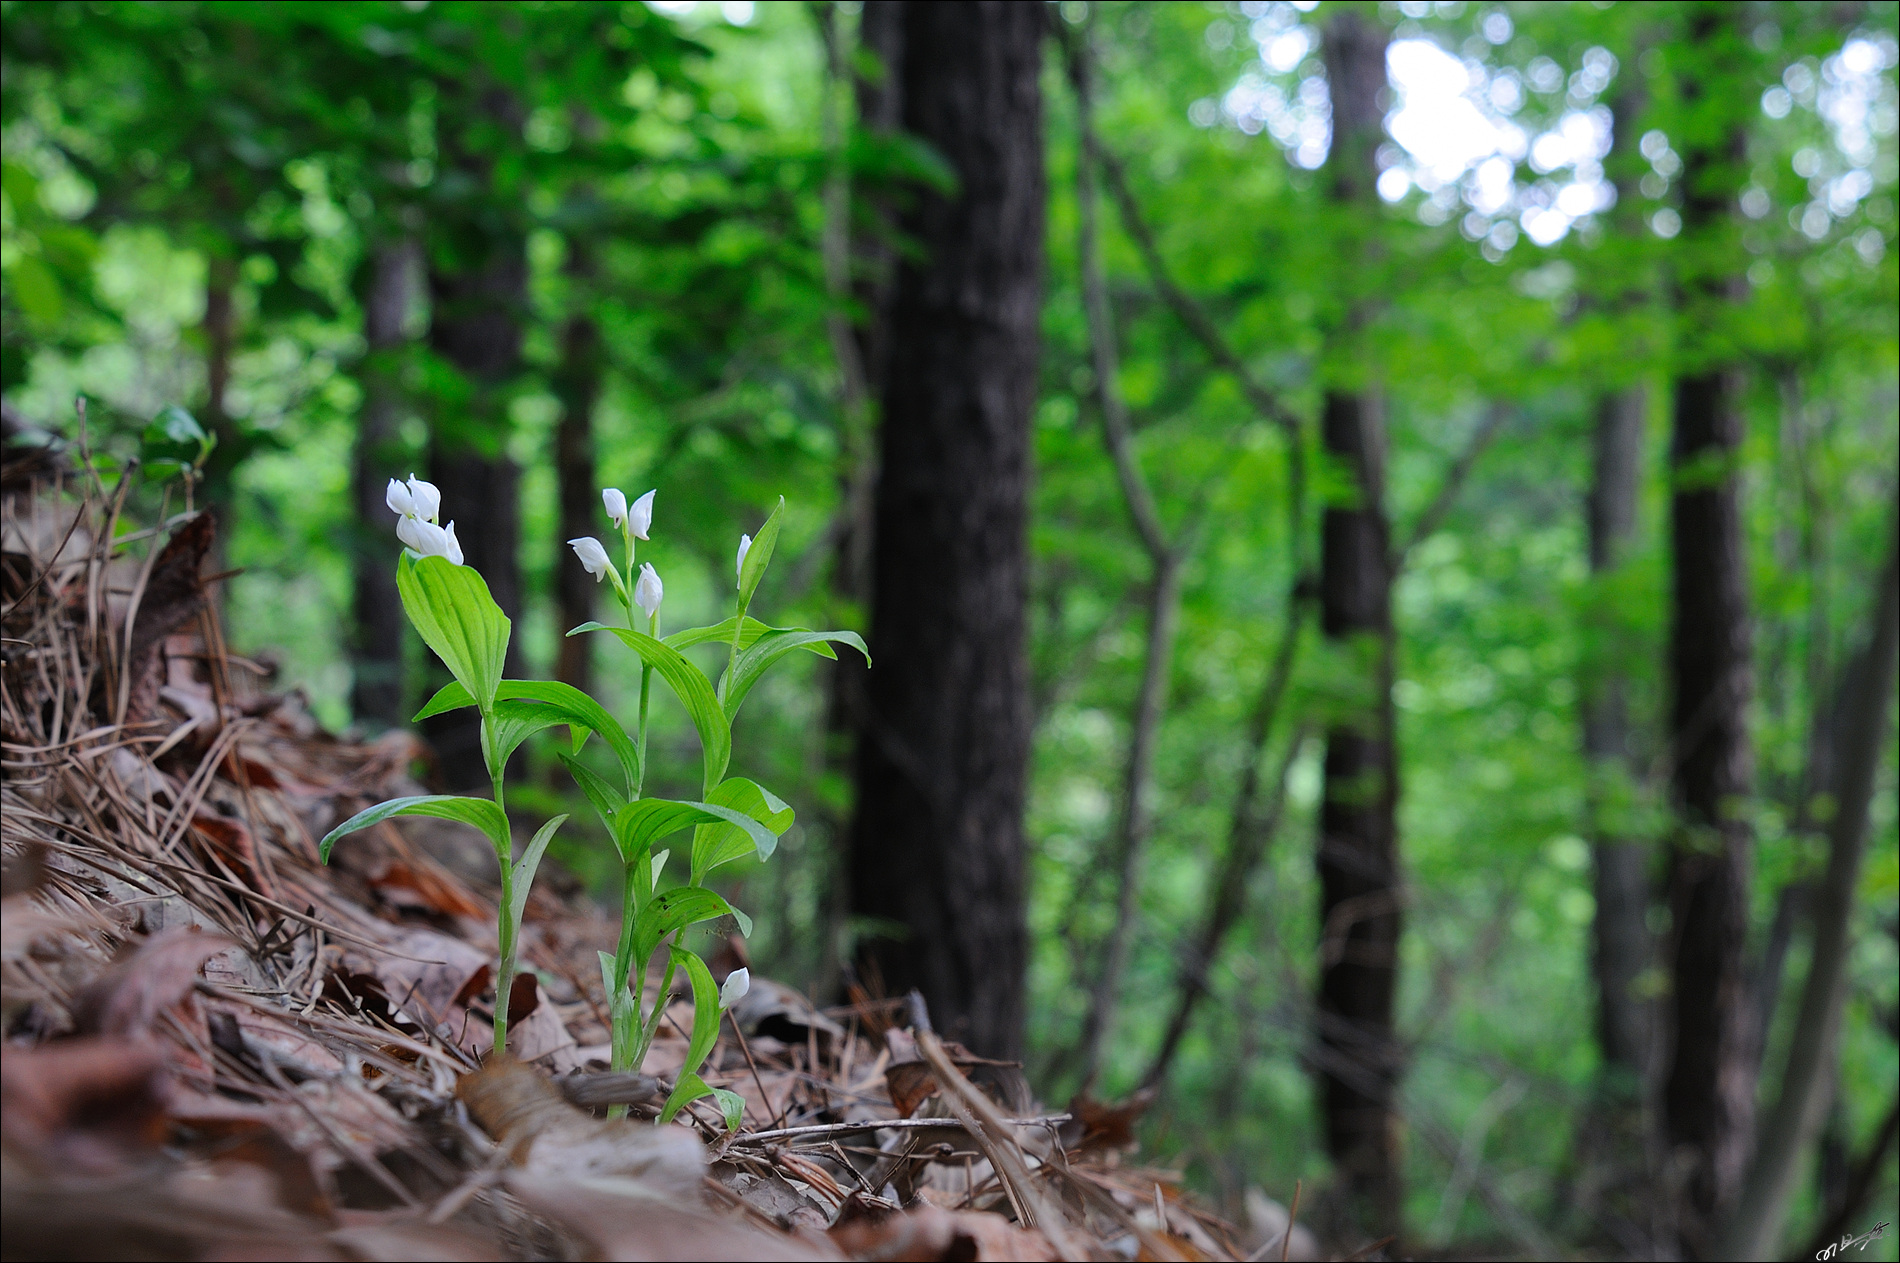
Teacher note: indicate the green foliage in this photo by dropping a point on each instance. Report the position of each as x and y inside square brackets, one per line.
[667, 177]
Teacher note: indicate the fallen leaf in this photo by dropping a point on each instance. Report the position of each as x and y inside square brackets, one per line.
[527, 1115]
[144, 982]
[929, 1233]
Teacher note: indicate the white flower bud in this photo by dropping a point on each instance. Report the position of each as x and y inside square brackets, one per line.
[593, 556]
[745, 546]
[640, 516]
[428, 500]
[430, 540]
[734, 989]
[398, 498]
[649, 591]
[616, 502]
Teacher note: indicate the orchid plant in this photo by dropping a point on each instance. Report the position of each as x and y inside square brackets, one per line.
[733, 818]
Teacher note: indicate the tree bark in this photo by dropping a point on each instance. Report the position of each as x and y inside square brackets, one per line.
[1621, 929]
[577, 388]
[478, 276]
[376, 690]
[936, 845]
[1753, 1229]
[1709, 1090]
[1358, 845]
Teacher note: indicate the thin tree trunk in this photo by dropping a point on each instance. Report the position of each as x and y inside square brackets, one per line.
[936, 845]
[1251, 826]
[1358, 846]
[1753, 1229]
[1621, 929]
[859, 348]
[376, 691]
[577, 387]
[1134, 815]
[1709, 1091]
[477, 297]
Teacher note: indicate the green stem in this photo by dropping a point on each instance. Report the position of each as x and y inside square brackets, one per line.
[652, 1025]
[623, 1006]
[646, 685]
[505, 927]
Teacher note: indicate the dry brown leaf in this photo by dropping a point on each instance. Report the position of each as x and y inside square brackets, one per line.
[624, 1221]
[910, 1083]
[930, 1233]
[141, 984]
[527, 1115]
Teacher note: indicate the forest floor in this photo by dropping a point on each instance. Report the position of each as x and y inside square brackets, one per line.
[218, 1047]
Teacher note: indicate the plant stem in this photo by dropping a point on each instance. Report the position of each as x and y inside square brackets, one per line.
[652, 1024]
[646, 685]
[505, 929]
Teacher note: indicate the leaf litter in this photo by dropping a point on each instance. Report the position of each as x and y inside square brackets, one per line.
[218, 1048]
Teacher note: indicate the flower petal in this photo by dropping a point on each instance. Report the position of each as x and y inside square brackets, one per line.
[640, 516]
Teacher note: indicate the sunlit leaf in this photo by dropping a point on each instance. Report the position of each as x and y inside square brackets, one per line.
[451, 607]
[753, 663]
[760, 555]
[691, 686]
[480, 812]
[690, 1087]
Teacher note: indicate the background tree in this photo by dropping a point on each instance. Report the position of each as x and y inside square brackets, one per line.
[936, 845]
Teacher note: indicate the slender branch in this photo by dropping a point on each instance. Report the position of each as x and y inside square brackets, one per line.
[1791, 1127]
[1189, 312]
[1164, 596]
[1442, 504]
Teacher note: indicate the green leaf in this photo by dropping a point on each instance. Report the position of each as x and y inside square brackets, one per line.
[732, 1105]
[176, 432]
[722, 843]
[690, 1087]
[480, 812]
[531, 860]
[639, 824]
[718, 633]
[600, 791]
[753, 663]
[550, 702]
[451, 696]
[508, 724]
[672, 910]
[452, 609]
[759, 556]
[691, 686]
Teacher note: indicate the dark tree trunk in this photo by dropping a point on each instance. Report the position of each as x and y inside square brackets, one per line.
[936, 845]
[376, 690]
[577, 387]
[478, 291]
[1358, 845]
[1709, 1090]
[1622, 871]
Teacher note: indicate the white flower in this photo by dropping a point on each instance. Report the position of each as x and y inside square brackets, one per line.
[745, 546]
[616, 502]
[649, 591]
[430, 540]
[737, 983]
[640, 516]
[399, 499]
[427, 500]
[593, 556]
